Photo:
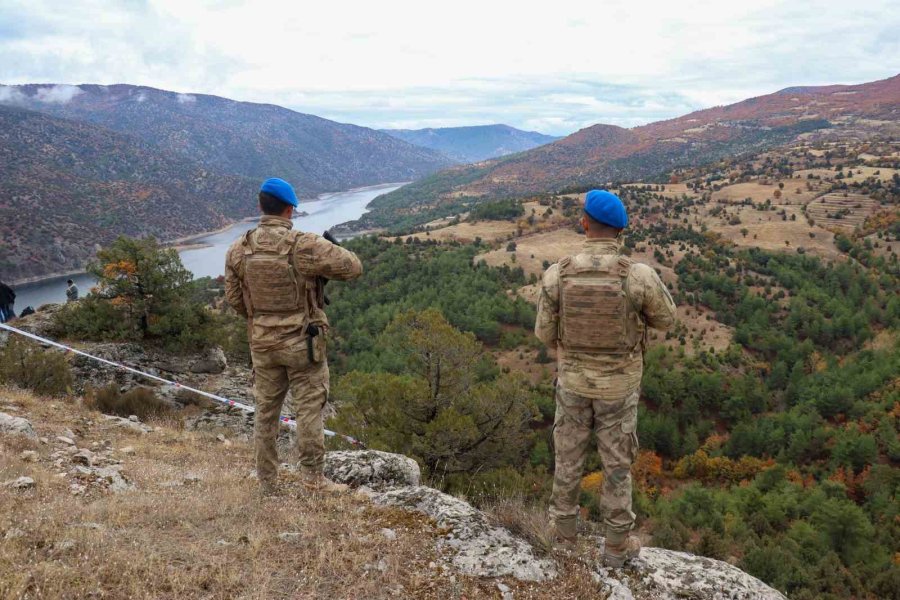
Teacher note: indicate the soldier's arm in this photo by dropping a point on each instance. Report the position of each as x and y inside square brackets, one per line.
[317, 257]
[546, 326]
[650, 294]
[234, 295]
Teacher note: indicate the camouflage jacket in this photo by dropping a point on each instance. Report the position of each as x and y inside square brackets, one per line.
[314, 257]
[601, 376]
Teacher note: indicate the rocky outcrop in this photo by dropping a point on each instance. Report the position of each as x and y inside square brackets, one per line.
[475, 546]
[660, 574]
[373, 469]
[10, 424]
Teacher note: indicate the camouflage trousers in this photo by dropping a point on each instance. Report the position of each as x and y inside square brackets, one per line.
[614, 423]
[276, 371]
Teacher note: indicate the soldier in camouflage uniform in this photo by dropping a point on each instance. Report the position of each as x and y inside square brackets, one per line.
[273, 278]
[595, 308]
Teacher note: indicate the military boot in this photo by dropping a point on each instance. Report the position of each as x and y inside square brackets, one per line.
[320, 483]
[616, 552]
[565, 532]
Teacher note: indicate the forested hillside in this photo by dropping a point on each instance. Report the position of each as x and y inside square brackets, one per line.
[601, 154]
[243, 138]
[66, 187]
[82, 164]
[769, 417]
[473, 144]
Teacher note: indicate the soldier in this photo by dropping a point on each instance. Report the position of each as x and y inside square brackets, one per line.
[595, 308]
[71, 291]
[273, 277]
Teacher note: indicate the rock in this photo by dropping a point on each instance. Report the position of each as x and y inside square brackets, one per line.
[213, 361]
[192, 478]
[226, 417]
[63, 545]
[65, 440]
[127, 424]
[113, 479]
[127, 450]
[294, 537]
[660, 574]
[372, 468]
[28, 455]
[83, 457]
[389, 534]
[21, 484]
[479, 548]
[16, 426]
[505, 591]
[13, 534]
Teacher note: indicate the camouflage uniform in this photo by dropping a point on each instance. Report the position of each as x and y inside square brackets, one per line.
[599, 391]
[278, 341]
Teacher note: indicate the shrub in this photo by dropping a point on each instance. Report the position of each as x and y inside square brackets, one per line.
[139, 401]
[44, 372]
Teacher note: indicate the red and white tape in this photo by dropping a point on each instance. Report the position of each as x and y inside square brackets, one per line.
[244, 407]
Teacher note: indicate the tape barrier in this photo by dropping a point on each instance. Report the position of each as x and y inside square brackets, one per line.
[244, 407]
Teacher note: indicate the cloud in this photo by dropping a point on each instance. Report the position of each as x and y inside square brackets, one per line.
[57, 94]
[186, 99]
[556, 69]
[11, 95]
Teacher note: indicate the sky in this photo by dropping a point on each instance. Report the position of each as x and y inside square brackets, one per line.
[553, 66]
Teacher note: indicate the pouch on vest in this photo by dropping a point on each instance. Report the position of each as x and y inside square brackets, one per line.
[270, 279]
[595, 312]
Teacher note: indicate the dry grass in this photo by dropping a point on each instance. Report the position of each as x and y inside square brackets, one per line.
[213, 538]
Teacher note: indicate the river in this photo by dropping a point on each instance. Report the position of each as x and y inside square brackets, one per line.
[209, 260]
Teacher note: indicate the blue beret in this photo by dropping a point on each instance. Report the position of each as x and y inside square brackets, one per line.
[606, 207]
[281, 189]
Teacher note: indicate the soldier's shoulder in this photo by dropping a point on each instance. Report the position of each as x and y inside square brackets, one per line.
[236, 247]
[551, 275]
[641, 270]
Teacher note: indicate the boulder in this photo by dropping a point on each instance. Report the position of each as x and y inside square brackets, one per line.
[211, 361]
[372, 468]
[16, 426]
[660, 574]
[477, 547]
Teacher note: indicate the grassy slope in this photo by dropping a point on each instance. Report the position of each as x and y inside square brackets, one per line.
[212, 539]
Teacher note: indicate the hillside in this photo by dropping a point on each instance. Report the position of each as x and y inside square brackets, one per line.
[169, 507]
[242, 138]
[67, 186]
[604, 153]
[473, 144]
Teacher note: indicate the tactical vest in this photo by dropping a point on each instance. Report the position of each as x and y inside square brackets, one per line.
[596, 314]
[272, 285]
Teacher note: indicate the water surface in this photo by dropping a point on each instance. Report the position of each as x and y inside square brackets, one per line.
[209, 261]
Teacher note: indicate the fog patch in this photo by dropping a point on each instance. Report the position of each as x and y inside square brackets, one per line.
[141, 97]
[186, 98]
[11, 95]
[57, 94]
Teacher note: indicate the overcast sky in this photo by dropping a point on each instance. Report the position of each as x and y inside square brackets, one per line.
[554, 66]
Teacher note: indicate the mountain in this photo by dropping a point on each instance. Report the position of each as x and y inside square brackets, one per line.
[83, 164]
[242, 138]
[473, 144]
[66, 186]
[604, 153]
